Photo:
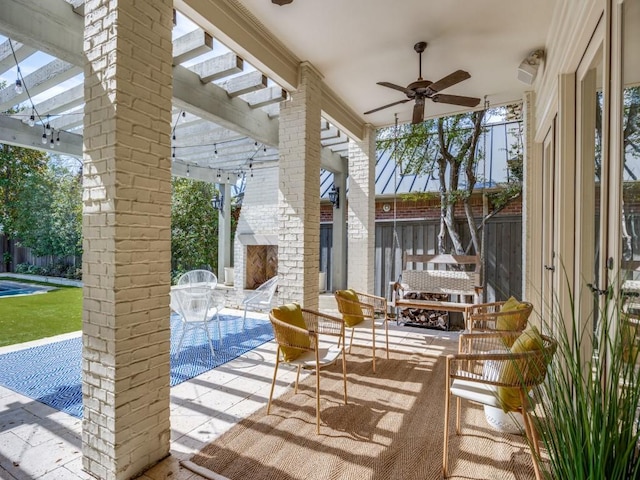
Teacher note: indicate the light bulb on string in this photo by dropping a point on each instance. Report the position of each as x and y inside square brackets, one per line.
[44, 138]
[47, 128]
[32, 118]
[215, 150]
[218, 176]
[183, 116]
[188, 172]
[58, 138]
[52, 142]
[19, 88]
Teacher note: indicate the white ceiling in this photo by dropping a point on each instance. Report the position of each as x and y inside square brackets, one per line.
[356, 43]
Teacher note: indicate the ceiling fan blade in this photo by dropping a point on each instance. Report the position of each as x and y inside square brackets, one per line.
[397, 87]
[456, 100]
[418, 111]
[387, 106]
[451, 79]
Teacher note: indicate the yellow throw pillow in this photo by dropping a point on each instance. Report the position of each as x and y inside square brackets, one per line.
[292, 314]
[517, 370]
[511, 322]
[352, 314]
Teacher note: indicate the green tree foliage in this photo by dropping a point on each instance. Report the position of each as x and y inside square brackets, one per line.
[194, 226]
[19, 167]
[50, 219]
[448, 150]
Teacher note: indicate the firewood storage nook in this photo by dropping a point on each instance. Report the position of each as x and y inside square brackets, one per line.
[434, 286]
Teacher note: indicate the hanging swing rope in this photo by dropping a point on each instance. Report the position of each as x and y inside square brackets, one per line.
[394, 157]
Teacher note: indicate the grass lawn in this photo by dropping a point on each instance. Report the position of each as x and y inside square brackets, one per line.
[31, 317]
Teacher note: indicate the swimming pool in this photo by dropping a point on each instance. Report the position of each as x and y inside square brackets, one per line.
[10, 289]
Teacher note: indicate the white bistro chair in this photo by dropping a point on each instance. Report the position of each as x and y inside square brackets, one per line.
[197, 307]
[260, 298]
[200, 278]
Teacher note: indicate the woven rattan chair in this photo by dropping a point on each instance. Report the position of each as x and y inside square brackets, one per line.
[490, 316]
[487, 372]
[301, 345]
[360, 311]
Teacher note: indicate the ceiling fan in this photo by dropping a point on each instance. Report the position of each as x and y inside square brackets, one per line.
[421, 89]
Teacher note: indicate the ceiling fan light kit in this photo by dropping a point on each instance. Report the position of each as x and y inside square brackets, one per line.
[281, 2]
[422, 89]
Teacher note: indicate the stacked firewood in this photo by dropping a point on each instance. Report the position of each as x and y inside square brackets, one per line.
[418, 317]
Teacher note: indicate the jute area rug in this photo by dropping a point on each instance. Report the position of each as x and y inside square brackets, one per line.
[391, 428]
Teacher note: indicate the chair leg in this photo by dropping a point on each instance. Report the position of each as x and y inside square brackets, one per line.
[244, 317]
[317, 394]
[386, 334]
[351, 340]
[206, 329]
[184, 330]
[531, 435]
[344, 374]
[297, 378]
[273, 382]
[458, 411]
[219, 331]
[373, 335]
[445, 448]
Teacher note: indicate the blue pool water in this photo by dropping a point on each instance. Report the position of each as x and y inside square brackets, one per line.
[8, 289]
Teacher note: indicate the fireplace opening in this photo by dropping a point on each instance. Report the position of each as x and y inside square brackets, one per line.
[260, 265]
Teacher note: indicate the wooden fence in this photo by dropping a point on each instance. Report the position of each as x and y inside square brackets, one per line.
[503, 253]
[20, 255]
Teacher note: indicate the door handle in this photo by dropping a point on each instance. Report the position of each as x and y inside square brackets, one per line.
[551, 268]
[596, 290]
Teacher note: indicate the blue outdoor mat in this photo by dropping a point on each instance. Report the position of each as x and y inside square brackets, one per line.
[52, 373]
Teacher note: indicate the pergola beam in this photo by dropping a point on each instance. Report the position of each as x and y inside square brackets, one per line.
[6, 55]
[191, 45]
[37, 82]
[218, 67]
[53, 28]
[212, 103]
[14, 132]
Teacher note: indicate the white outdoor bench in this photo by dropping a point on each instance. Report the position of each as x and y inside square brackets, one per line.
[443, 276]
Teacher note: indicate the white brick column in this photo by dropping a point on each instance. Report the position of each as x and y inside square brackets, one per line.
[224, 230]
[299, 193]
[126, 227]
[361, 213]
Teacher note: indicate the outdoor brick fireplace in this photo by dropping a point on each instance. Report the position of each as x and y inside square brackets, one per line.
[256, 240]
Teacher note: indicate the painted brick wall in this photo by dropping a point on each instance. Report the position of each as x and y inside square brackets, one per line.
[126, 227]
[299, 202]
[361, 214]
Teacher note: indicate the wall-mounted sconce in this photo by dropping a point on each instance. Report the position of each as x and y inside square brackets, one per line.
[217, 202]
[334, 196]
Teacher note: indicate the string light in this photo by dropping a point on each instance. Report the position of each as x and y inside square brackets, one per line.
[215, 150]
[188, 172]
[52, 142]
[184, 116]
[19, 88]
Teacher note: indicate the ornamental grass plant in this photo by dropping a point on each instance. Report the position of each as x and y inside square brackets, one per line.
[587, 416]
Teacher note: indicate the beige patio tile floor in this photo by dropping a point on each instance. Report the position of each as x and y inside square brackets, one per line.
[37, 441]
